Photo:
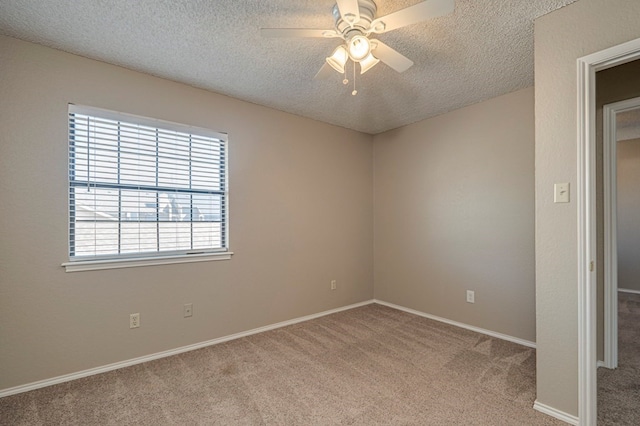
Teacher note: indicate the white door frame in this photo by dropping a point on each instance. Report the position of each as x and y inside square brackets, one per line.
[586, 200]
[610, 193]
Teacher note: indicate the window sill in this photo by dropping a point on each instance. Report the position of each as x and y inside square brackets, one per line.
[94, 265]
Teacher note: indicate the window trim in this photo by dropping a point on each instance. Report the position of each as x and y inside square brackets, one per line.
[77, 264]
[132, 262]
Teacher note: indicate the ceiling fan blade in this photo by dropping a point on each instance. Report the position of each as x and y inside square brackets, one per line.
[349, 10]
[412, 15]
[391, 57]
[297, 32]
[324, 72]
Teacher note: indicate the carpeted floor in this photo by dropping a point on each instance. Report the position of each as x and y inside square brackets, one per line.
[369, 365]
[619, 389]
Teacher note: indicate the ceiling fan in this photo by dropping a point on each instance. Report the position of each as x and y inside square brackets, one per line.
[355, 23]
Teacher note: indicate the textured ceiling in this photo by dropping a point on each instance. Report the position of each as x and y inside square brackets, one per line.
[482, 50]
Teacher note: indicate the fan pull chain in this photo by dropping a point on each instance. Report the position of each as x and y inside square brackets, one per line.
[346, 80]
[355, 92]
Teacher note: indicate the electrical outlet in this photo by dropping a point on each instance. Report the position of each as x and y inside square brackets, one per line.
[471, 296]
[188, 310]
[334, 285]
[134, 320]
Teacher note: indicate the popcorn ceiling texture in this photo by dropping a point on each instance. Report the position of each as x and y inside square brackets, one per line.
[484, 49]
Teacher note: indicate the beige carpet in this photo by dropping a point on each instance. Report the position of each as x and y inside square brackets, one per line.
[619, 389]
[365, 366]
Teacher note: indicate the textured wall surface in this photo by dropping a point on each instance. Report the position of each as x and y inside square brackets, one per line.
[301, 215]
[629, 214]
[562, 37]
[454, 212]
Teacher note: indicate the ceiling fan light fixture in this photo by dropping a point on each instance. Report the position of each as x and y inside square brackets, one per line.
[354, 22]
[359, 47]
[367, 63]
[338, 59]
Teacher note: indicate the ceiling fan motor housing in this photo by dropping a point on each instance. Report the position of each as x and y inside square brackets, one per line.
[367, 10]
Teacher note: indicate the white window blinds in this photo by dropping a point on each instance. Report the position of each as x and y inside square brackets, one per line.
[140, 187]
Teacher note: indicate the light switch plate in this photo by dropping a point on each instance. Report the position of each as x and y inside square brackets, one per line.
[561, 192]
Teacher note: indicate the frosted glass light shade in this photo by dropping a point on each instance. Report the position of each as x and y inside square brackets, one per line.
[359, 48]
[367, 63]
[338, 59]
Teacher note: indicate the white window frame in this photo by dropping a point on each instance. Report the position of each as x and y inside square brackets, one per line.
[88, 263]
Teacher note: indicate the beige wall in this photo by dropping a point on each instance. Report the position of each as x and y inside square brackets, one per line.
[561, 37]
[612, 85]
[454, 207]
[301, 215]
[629, 214]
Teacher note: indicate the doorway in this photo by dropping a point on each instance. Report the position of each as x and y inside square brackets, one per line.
[587, 220]
[621, 122]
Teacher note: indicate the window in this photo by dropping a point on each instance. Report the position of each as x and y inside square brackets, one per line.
[143, 188]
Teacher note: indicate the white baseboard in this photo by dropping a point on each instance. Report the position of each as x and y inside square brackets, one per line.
[460, 324]
[600, 364]
[116, 365]
[553, 412]
[110, 367]
[628, 290]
